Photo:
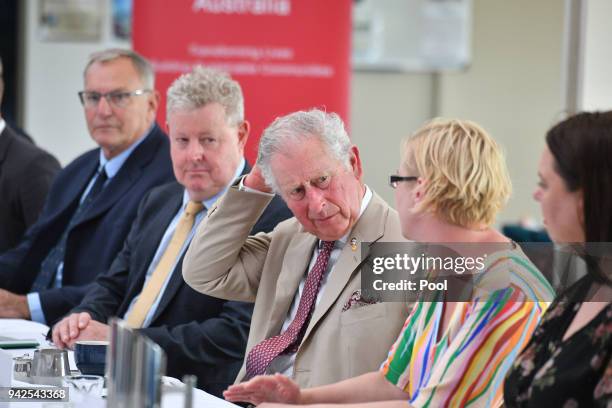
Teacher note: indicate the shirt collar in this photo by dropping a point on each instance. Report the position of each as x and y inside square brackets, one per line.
[208, 203]
[367, 197]
[2, 125]
[113, 165]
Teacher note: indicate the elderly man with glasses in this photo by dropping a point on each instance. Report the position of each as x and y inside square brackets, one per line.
[93, 201]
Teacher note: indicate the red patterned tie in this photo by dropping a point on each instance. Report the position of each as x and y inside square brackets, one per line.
[263, 353]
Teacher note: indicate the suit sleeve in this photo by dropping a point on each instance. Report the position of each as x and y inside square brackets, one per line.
[57, 302]
[223, 260]
[107, 292]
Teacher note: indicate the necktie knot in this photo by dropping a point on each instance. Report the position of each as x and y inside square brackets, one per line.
[102, 173]
[193, 207]
[327, 246]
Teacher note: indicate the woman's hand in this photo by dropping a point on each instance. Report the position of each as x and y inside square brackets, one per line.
[265, 388]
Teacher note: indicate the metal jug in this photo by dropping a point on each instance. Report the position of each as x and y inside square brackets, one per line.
[136, 366]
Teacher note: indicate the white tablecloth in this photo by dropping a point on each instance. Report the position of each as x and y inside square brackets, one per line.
[172, 397]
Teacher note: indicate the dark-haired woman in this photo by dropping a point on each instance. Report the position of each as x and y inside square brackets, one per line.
[567, 362]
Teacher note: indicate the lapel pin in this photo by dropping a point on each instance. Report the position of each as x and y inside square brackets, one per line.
[354, 244]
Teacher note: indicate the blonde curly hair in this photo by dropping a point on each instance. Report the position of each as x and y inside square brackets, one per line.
[203, 86]
[466, 178]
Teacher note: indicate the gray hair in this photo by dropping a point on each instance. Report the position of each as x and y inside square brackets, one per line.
[142, 65]
[296, 128]
[203, 86]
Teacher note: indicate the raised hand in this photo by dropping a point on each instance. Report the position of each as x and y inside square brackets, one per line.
[256, 181]
[265, 388]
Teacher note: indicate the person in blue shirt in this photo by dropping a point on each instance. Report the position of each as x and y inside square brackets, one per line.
[201, 334]
[93, 201]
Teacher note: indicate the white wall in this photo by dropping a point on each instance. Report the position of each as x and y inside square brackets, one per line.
[513, 88]
[53, 115]
[597, 57]
[384, 109]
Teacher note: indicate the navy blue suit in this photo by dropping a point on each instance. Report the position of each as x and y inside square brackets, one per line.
[201, 335]
[94, 241]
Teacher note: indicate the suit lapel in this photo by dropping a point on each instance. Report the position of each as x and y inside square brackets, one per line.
[154, 233]
[176, 279]
[369, 228]
[74, 185]
[79, 183]
[295, 264]
[129, 173]
[117, 188]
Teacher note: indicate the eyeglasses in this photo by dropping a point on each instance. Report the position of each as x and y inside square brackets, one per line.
[118, 99]
[394, 179]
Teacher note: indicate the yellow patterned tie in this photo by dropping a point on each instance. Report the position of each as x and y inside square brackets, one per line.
[164, 267]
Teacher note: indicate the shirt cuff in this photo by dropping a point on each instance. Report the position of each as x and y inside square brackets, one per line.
[242, 187]
[35, 306]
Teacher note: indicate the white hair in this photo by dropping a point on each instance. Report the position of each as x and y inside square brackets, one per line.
[298, 127]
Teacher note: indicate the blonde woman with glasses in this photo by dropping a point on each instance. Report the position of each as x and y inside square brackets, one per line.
[452, 182]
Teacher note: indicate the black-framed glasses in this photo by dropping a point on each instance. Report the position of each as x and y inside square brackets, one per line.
[394, 179]
[118, 99]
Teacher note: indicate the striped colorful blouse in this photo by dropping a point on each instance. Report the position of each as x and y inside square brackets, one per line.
[467, 366]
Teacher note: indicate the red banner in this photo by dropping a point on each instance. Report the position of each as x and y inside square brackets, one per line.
[287, 54]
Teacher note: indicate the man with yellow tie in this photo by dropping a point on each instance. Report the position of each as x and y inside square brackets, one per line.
[201, 334]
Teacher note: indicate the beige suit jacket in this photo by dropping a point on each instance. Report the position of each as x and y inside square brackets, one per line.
[267, 268]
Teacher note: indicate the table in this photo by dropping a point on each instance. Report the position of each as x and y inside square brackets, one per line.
[24, 329]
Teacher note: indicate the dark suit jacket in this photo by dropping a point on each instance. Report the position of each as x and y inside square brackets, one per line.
[201, 335]
[94, 241]
[26, 174]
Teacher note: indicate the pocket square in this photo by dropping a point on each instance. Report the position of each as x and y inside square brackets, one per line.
[357, 300]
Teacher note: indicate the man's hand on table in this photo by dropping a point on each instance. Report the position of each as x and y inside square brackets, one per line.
[13, 306]
[78, 326]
